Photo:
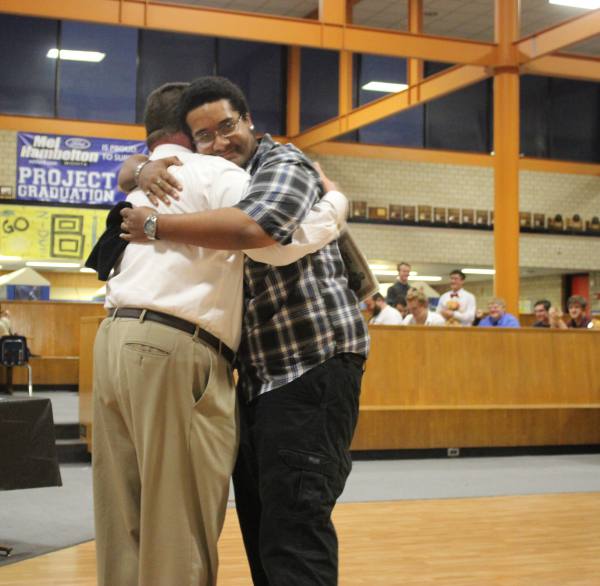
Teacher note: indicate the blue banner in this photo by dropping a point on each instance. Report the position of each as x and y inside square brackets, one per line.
[71, 169]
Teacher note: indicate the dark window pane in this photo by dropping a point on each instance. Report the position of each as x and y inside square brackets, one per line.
[258, 68]
[104, 90]
[167, 57]
[535, 109]
[319, 73]
[460, 121]
[574, 120]
[403, 129]
[28, 76]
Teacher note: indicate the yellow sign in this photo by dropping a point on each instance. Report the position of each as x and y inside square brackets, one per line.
[49, 233]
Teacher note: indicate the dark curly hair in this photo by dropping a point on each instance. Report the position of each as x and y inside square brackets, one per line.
[211, 88]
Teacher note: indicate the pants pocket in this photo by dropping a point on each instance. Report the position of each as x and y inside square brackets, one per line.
[306, 483]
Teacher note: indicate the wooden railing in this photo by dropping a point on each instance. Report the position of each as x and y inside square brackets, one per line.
[479, 387]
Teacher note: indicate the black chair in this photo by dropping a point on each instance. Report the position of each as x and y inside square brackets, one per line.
[14, 352]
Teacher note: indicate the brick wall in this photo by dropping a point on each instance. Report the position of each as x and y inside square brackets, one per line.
[381, 182]
[8, 158]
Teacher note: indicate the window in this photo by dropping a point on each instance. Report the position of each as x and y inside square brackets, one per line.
[98, 91]
[28, 76]
[403, 129]
[319, 71]
[258, 68]
[168, 57]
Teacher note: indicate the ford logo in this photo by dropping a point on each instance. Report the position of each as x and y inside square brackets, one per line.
[78, 143]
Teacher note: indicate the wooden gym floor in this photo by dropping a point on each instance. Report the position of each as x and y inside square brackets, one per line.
[540, 540]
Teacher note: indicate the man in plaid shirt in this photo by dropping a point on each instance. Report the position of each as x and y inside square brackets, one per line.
[303, 345]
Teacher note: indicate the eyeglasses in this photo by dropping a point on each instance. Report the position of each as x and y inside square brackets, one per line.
[225, 129]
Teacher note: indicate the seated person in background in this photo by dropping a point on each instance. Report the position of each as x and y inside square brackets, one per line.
[497, 316]
[383, 314]
[457, 303]
[401, 287]
[419, 313]
[5, 327]
[576, 305]
[401, 306]
[541, 310]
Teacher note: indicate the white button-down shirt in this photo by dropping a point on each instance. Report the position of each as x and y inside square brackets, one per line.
[202, 285]
[467, 306]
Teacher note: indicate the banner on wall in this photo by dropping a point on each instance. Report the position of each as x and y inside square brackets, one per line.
[73, 170]
[50, 233]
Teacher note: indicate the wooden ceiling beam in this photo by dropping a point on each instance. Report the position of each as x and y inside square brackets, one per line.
[257, 27]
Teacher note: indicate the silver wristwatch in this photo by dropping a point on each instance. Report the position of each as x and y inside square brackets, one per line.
[150, 226]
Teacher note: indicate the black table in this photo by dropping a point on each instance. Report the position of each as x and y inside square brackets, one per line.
[27, 444]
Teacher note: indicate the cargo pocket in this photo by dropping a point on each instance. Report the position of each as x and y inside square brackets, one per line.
[308, 481]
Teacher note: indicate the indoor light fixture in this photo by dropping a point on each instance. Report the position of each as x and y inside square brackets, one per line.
[384, 272]
[54, 265]
[479, 271]
[587, 4]
[10, 258]
[384, 86]
[424, 278]
[69, 55]
[86, 270]
[375, 266]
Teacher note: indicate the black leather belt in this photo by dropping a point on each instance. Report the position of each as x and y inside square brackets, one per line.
[179, 324]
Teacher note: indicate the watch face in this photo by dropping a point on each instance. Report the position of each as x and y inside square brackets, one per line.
[150, 226]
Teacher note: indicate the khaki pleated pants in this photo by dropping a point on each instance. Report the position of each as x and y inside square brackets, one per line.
[165, 437]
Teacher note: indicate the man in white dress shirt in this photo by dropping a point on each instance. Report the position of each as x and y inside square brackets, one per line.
[457, 303]
[418, 311]
[383, 314]
[165, 415]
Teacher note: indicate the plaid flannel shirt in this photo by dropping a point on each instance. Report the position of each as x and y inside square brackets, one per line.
[300, 315]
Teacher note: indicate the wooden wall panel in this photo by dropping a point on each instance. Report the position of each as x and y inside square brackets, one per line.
[457, 427]
[461, 387]
[51, 327]
[59, 371]
[481, 366]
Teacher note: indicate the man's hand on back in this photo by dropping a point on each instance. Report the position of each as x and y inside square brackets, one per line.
[157, 183]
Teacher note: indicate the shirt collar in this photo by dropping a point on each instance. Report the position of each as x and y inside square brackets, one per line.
[265, 144]
[168, 150]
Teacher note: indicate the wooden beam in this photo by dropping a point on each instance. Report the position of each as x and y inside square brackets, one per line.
[506, 149]
[333, 11]
[558, 37]
[76, 127]
[257, 27]
[431, 88]
[293, 91]
[415, 66]
[581, 67]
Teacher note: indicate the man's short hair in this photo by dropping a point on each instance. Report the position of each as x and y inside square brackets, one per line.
[208, 89]
[418, 296]
[543, 302]
[161, 115]
[497, 301]
[577, 299]
[406, 264]
[378, 297]
[459, 273]
[401, 300]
